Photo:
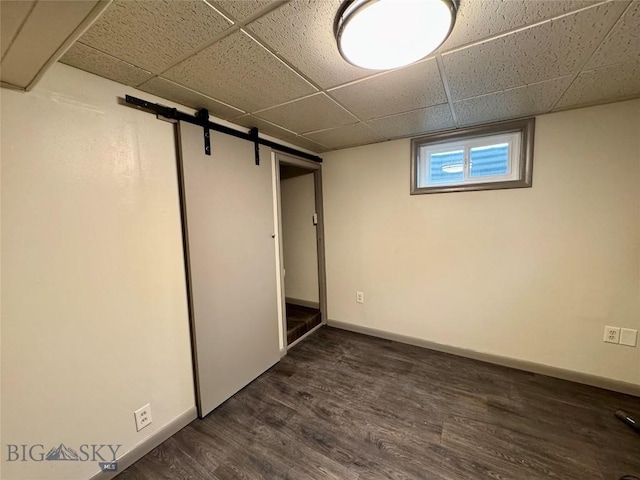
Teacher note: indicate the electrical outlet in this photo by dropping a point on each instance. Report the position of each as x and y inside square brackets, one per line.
[628, 337]
[612, 334]
[359, 297]
[143, 417]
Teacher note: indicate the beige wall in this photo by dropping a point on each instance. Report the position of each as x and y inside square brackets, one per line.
[94, 309]
[532, 274]
[299, 238]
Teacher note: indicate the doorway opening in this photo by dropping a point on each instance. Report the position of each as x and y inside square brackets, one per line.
[301, 247]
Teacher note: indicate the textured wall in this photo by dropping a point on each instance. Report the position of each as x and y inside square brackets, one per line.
[94, 308]
[532, 274]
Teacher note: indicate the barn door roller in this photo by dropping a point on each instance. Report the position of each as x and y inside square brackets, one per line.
[202, 119]
[203, 115]
[256, 143]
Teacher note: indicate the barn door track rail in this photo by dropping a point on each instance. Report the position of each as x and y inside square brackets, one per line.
[202, 119]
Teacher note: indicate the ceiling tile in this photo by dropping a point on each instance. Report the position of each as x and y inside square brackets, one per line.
[421, 121]
[179, 94]
[481, 19]
[47, 31]
[506, 69]
[241, 9]
[249, 121]
[153, 34]
[302, 33]
[623, 43]
[347, 136]
[12, 15]
[309, 114]
[606, 84]
[240, 72]
[517, 102]
[98, 63]
[307, 144]
[398, 91]
[549, 50]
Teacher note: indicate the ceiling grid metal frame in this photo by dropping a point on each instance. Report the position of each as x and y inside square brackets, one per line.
[508, 33]
[447, 90]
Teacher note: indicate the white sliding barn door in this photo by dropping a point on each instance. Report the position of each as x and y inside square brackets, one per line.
[228, 213]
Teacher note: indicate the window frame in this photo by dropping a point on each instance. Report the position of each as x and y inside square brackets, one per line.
[525, 127]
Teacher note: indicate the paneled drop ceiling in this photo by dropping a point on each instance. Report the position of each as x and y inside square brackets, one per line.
[34, 35]
[275, 65]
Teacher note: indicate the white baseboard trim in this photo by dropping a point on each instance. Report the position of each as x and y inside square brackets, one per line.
[298, 340]
[148, 444]
[527, 366]
[302, 303]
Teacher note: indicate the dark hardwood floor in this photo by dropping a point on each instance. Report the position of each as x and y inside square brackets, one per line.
[300, 320]
[348, 406]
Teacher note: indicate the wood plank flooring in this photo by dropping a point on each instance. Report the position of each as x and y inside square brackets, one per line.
[347, 406]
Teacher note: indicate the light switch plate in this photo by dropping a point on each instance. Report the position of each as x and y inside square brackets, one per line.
[628, 337]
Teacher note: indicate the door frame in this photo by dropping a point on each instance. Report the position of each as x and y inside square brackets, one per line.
[277, 159]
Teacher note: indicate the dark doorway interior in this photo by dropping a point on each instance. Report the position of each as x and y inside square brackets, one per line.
[300, 320]
[299, 250]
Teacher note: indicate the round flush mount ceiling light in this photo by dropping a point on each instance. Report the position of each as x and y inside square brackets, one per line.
[385, 34]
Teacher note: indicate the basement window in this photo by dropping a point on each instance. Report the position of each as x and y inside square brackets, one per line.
[487, 157]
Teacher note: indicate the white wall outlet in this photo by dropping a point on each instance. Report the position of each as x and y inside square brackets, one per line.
[143, 417]
[359, 297]
[628, 337]
[612, 334]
